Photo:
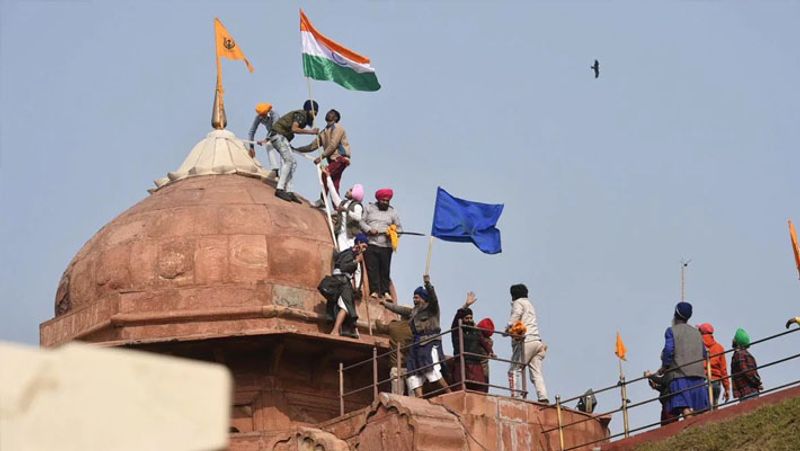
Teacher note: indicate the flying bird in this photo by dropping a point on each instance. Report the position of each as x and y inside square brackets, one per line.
[596, 68]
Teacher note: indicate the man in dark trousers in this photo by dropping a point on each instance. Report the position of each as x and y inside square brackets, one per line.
[474, 376]
[425, 356]
[343, 310]
[375, 222]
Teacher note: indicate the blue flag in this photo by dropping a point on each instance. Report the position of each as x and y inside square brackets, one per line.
[464, 221]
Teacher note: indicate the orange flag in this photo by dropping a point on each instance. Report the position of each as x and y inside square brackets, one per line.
[227, 46]
[621, 350]
[796, 249]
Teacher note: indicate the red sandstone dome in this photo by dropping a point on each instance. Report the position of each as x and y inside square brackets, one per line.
[203, 256]
[212, 242]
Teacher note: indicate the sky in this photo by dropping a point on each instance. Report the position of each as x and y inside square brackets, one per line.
[684, 148]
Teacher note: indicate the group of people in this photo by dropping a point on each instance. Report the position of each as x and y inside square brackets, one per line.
[378, 221]
[691, 358]
[419, 331]
[367, 236]
[281, 130]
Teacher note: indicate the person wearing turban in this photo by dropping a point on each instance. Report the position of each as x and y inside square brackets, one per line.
[342, 309]
[683, 362]
[335, 152]
[744, 369]
[375, 222]
[474, 377]
[348, 213]
[425, 355]
[283, 131]
[719, 368]
[266, 116]
[527, 347]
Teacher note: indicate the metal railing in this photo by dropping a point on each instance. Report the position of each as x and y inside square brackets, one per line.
[626, 404]
[522, 392]
[463, 383]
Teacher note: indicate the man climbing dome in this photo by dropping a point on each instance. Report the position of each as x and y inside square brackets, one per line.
[377, 219]
[283, 131]
[342, 309]
[744, 369]
[266, 116]
[335, 151]
[349, 211]
[719, 368]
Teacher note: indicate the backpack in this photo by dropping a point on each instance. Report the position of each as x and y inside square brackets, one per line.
[587, 402]
[331, 288]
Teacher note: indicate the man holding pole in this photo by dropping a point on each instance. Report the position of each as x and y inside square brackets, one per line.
[283, 131]
[425, 356]
[335, 151]
[266, 116]
[377, 219]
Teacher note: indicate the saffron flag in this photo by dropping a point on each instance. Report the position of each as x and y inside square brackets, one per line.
[621, 351]
[325, 59]
[796, 249]
[465, 221]
[227, 47]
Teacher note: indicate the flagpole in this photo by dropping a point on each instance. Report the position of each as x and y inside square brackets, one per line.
[684, 265]
[319, 177]
[428, 258]
[624, 395]
[218, 119]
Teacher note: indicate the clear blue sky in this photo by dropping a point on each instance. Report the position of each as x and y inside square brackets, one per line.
[686, 146]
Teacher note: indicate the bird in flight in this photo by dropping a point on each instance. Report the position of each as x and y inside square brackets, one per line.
[596, 68]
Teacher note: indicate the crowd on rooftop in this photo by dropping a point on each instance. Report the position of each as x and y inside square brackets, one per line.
[366, 236]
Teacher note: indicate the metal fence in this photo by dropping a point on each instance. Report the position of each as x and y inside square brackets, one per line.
[522, 392]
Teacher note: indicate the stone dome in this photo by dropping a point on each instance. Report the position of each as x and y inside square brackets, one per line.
[198, 234]
[202, 244]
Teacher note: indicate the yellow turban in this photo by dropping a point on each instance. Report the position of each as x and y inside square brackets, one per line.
[263, 108]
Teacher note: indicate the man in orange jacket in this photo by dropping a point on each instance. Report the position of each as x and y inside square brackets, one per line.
[719, 369]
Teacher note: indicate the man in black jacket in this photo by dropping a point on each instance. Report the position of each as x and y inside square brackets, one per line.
[343, 310]
[473, 369]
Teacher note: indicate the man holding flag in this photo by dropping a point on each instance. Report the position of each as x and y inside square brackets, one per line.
[283, 131]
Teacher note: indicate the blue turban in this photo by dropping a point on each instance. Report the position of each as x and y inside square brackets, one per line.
[423, 293]
[361, 238]
[683, 310]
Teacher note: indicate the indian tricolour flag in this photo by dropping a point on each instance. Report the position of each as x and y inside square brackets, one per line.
[325, 59]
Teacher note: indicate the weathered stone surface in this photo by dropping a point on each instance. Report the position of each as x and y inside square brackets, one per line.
[79, 397]
[209, 244]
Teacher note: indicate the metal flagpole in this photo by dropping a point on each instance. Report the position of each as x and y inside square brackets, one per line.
[684, 265]
[624, 394]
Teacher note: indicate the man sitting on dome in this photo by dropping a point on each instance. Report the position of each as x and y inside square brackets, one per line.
[343, 310]
[283, 131]
[266, 116]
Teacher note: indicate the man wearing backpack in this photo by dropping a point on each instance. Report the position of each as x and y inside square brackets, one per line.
[342, 308]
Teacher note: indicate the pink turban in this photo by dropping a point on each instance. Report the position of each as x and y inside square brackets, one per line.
[357, 192]
[706, 328]
[384, 194]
